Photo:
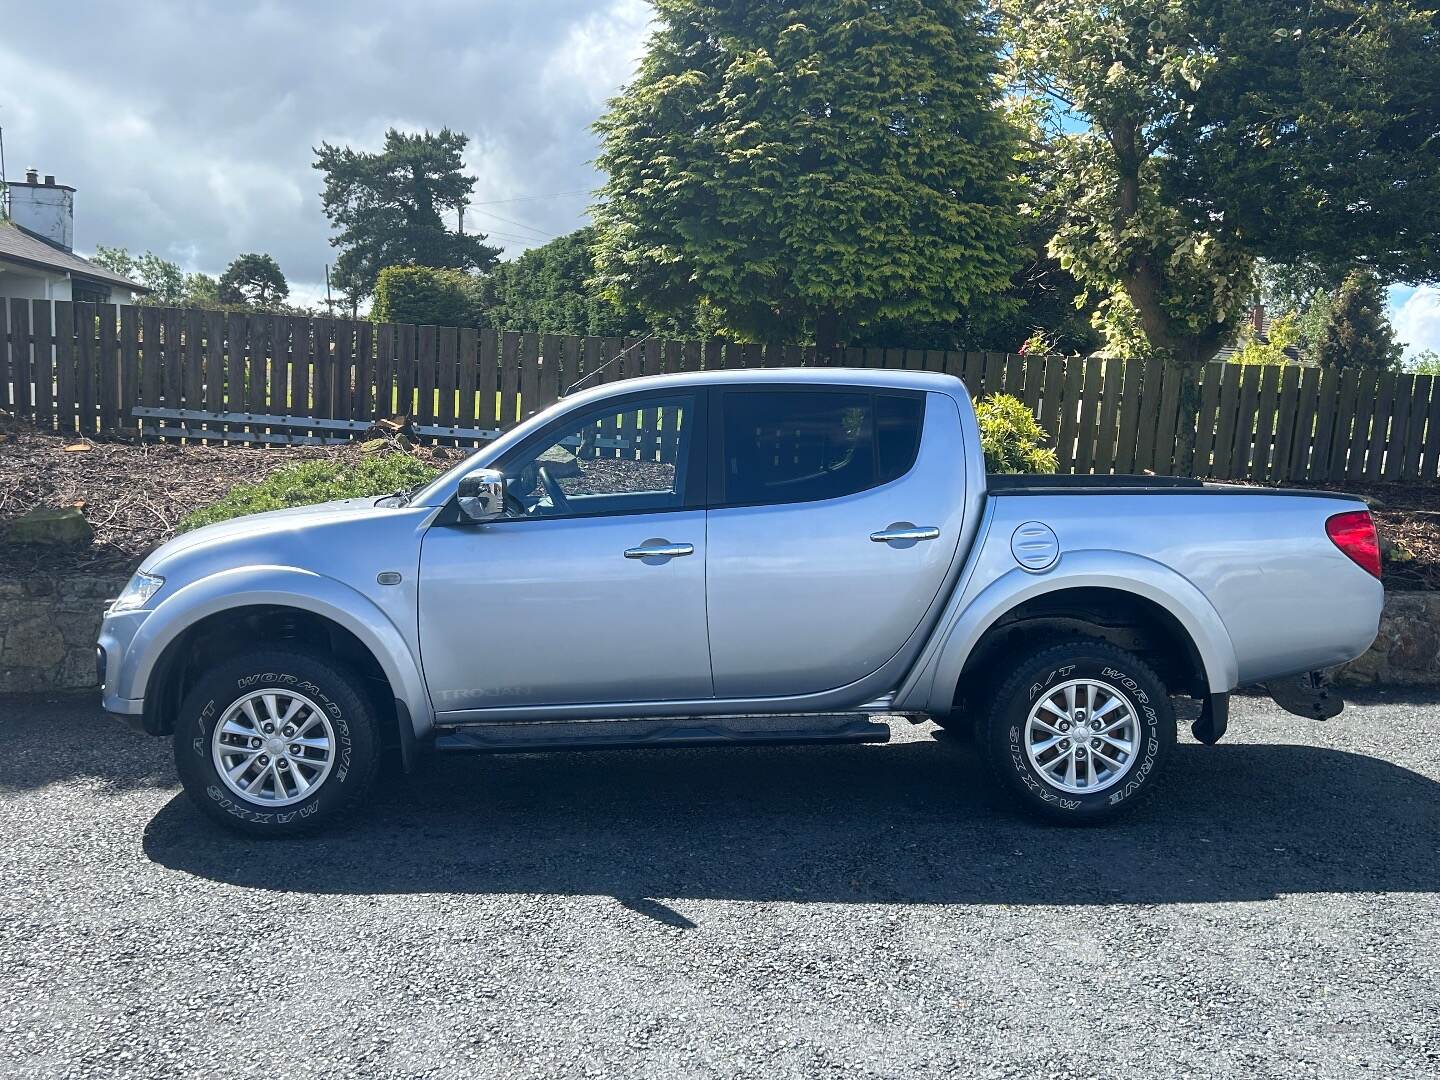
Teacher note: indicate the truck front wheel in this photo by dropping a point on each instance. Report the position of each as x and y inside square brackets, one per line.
[273, 743]
[1079, 732]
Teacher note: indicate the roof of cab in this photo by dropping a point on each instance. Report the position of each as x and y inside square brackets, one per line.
[890, 378]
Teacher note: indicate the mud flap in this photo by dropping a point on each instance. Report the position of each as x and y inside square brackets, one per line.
[414, 754]
[1309, 695]
[1214, 719]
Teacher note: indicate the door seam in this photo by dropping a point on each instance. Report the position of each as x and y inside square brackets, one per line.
[705, 589]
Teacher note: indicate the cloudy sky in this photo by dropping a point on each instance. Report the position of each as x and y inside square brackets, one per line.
[187, 128]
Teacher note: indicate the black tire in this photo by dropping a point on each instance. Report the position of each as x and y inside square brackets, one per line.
[1003, 734]
[351, 717]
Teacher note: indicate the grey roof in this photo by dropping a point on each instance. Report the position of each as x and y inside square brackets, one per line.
[887, 378]
[23, 246]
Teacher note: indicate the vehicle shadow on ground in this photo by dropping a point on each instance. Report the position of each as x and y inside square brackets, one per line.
[913, 822]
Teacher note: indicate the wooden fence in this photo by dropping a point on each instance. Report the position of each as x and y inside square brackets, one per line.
[76, 367]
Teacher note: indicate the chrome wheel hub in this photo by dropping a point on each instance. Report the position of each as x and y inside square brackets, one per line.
[257, 761]
[1083, 736]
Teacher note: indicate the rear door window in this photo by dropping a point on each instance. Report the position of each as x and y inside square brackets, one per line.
[784, 446]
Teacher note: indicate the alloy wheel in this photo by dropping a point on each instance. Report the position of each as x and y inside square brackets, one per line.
[273, 747]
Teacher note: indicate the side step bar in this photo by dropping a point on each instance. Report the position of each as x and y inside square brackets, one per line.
[529, 737]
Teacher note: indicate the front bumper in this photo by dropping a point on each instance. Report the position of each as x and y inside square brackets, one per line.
[116, 633]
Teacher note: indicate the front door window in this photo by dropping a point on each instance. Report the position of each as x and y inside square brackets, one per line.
[623, 459]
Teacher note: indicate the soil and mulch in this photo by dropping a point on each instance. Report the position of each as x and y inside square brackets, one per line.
[134, 496]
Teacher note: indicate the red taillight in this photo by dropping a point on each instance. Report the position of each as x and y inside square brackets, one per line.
[1353, 532]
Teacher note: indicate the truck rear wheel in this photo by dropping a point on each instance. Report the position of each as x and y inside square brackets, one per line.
[1080, 732]
[273, 743]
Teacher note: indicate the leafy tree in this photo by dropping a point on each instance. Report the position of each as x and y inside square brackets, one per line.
[117, 260]
[164, 279]
[202, 291]
[254, 280]
[810, 167]
[1304, 291]
[1220, 130]
[1425, 362]
[1313, 129]
[425, 295]
[388, 206]
[170, 286]
[1358, 333]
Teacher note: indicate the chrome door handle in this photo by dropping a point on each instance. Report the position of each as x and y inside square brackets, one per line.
[659, 549]
[913, 533]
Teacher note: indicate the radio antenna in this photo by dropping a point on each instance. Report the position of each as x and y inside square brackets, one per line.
[591, 374]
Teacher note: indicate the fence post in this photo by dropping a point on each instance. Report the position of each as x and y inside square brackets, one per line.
[129, 368]
[108, 368]
[20, 366]
[64, 316]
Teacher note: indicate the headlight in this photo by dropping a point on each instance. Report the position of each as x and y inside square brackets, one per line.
[137, 591]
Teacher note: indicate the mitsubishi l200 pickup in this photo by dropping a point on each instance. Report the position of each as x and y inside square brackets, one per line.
[769, 556]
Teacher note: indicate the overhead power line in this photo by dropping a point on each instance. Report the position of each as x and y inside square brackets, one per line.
[532, 198]
[512, 221]
[511, 237]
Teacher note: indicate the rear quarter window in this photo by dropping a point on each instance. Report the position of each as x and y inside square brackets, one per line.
[786, 446]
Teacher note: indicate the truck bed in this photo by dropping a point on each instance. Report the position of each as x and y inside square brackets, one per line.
[1079, 483]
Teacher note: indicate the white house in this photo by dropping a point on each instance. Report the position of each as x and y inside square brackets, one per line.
[37, 257]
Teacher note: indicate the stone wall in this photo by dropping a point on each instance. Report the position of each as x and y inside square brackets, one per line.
[48, 628]
[1407, 652]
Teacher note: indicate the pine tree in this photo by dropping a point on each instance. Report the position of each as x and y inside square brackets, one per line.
[1358, 333]
[253, 279]
[388, 207]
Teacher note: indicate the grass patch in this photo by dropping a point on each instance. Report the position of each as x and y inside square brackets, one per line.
[310, 482]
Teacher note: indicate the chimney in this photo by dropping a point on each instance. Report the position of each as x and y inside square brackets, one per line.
[46, 209]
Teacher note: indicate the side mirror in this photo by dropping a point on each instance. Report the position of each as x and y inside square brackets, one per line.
[482, 495]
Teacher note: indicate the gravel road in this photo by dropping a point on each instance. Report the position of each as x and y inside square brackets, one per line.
[844, 911]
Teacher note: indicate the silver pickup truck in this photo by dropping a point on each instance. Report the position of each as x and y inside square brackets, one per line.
[773, 556]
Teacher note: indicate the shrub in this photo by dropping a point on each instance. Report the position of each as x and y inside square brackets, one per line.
[1284, 333]
[1011, 437]
[310, 482]
[426, 296]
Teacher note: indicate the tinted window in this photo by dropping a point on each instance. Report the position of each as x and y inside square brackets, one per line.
[799, 446]
[897, 433]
